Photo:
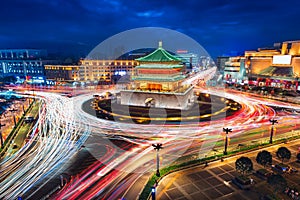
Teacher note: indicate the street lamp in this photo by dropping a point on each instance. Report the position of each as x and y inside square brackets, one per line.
[23, 109]
[157, 147]
[153, 191]
[273, 121]
[33, 94]
[14, 110]
[1, 136]
[226, 130]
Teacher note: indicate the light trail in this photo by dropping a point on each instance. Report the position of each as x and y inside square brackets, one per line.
[63, 127]
[54, 140]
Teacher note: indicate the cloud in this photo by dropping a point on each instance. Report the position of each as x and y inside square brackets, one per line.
[150, 13]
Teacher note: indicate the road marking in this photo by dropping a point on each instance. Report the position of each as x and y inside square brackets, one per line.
[168, 185]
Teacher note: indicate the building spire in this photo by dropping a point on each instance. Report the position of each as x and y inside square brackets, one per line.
[160, 44]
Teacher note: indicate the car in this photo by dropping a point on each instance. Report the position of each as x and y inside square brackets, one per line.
[292, 170]
[243, 182]
[263, 173]
[281, 168]
[15, 146]
[28, 119]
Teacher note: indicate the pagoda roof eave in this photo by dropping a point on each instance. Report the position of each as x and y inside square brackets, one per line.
[159, 55]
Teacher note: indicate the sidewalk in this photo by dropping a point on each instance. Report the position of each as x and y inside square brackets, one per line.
[19, 134]
[214, 181]
[139, 185]
[7, 117]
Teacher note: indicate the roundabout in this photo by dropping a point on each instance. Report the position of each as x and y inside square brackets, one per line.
[206, 108]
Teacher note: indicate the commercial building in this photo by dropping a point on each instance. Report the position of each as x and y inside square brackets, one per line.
[63, 73]
[221, 60]
[278, 66]
[190, 60]
[24, 63]
[108, 71]
[234, 69]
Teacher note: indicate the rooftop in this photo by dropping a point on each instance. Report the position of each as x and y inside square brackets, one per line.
[159, 55]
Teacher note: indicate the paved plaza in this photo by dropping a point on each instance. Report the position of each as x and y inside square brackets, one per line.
[215, 181]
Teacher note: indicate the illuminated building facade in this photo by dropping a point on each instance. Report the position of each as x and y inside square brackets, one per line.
[105, 70]
[234, 69]
[158, 82]
[22, 62]
[221, 60]
[191, 60]
[62, 72]
[270, 67]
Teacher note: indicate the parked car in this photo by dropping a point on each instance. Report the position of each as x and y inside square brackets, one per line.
[263, 173]
[243, 182]
[281, 168]
[28, 119]
[292, 170]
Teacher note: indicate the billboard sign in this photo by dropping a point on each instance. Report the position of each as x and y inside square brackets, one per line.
[282, 60]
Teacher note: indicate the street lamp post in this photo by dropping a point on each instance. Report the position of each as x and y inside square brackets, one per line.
[273, 121]
[14, 110]
[226, 130]
[157, 147]
[153, 191]
[1, 136]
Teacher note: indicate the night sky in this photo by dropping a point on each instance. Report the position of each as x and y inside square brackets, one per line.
[76, 26]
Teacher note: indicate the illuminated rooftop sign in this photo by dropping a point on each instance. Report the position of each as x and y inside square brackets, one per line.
[282, 60]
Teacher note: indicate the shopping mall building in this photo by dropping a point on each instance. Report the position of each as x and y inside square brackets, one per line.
[271, 67]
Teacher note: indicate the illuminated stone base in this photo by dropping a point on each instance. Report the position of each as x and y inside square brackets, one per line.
[168, 100]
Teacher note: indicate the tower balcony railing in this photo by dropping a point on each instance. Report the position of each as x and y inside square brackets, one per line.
[178, 90]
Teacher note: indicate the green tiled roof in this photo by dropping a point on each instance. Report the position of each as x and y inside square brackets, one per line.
[159, 55]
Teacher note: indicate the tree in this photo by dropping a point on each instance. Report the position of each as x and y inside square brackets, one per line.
[277, 182]
[264, 158]
[244, 165]
[283, 153]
